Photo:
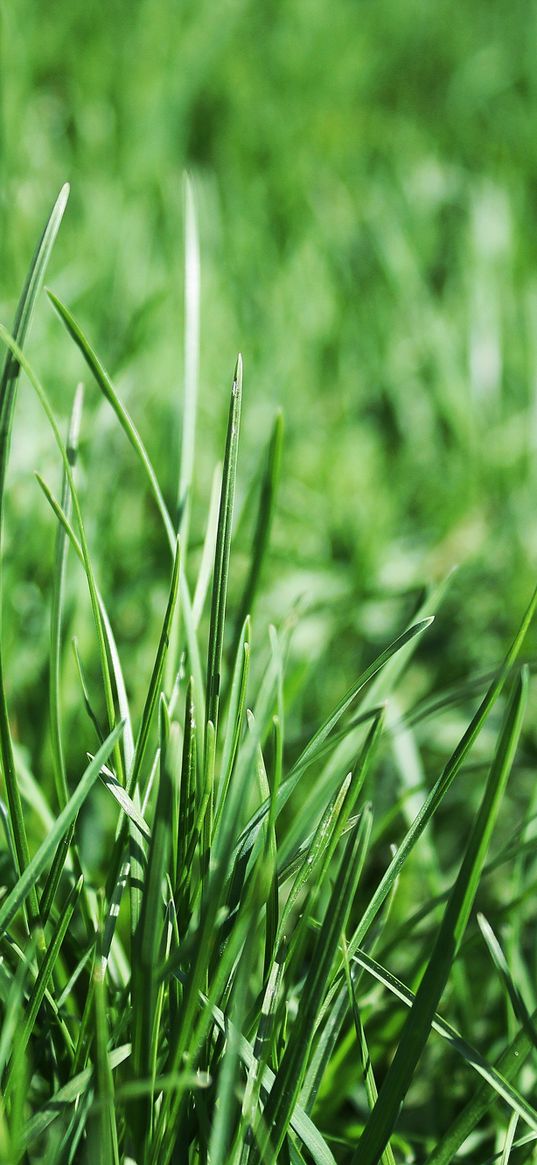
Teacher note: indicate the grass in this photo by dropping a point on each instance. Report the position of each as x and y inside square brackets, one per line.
[215, 987]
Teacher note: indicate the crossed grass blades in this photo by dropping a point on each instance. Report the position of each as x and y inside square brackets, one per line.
[193, 1007]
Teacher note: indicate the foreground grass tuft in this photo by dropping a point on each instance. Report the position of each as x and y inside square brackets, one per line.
[216, 989]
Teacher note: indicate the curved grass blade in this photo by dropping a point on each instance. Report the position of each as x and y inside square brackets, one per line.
[444, 781]
[105, 384]
[28, 879]
[494, 1077]
[380, 1124]
[8, 387]
[500, 963]
[92, 586]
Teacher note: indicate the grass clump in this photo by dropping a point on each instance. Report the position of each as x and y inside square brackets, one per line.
[216, 990]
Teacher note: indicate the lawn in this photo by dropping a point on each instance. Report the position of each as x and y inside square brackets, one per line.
[266, 703]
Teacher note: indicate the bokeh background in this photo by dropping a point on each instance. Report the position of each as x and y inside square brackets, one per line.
[366, 180]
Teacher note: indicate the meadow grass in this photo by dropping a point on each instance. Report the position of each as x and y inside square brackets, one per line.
[216, 986]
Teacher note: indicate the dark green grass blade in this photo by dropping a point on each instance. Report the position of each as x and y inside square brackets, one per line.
[513, 992]
[300, 1122]
[28, 879]
[66, 1096]
[263, 526]
[286, 1088]
[223, 546]
[415, 1033]
[8, 386]
[45, 972]
[368, 1076]
[148, 941]
[496, 1080]
[509, 1066]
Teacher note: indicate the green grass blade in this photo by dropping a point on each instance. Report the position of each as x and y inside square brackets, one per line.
[496, 1080]
[415, 1033]
[148, 941]
[28, 879]
[222, 552]
[513, 992]
[8, 386]
[58, 586]
[66, 1096]
[43, 978]
[191, 358]
[263, 526]
[317, 743]
[105, 384]
[444, 781]
[286, 1088]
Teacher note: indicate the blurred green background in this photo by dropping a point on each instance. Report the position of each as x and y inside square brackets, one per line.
[366, 180]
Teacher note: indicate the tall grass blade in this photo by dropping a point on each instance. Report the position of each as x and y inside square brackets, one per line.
[415, 1033]
[8, 387]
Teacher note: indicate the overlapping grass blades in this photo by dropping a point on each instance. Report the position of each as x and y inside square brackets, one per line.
[200, 1016]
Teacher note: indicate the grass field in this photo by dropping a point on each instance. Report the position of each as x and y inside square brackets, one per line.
[268, 849]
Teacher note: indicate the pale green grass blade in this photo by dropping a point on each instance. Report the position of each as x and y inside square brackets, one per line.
[92, 586]
[209, 545]
[495, 1079]
[119, 680]
[191, 358]
[513, 992]
[58, 587]
[28, 879]
[125, 802]
[288, 1081]
[8, 386]
[415, 1033]
[105, 384]
[509, 1140]
[222, 552]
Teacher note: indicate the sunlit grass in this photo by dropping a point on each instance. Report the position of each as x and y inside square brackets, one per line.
[215, 988]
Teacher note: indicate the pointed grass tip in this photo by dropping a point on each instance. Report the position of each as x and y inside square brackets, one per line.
[237, 376]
